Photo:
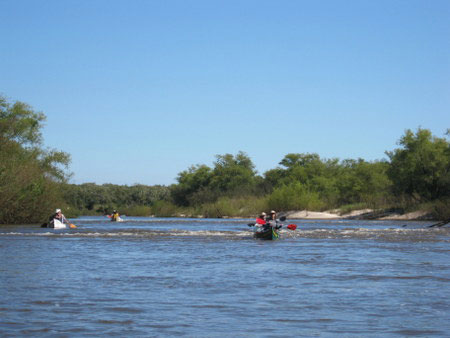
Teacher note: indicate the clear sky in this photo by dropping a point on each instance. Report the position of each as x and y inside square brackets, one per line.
[137, 91]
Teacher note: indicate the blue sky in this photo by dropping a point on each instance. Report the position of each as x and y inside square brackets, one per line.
[137, 91]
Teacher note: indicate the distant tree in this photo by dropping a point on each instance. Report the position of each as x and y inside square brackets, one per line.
[274, 177]
[233, 175]
[420, 168]
[302, 168]
[362, 181]
[334, 182]
[294, 196]
[292, 160]
[193, 185]
[93, 198]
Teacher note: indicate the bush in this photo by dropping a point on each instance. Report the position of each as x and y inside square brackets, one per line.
[136, 210]
[233, 207]
[164, 209]
[294, 197]
[29, 176]
[348, 208]
[439, 209]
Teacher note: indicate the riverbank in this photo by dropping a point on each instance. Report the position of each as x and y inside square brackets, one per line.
[365, 214]
[362, 214]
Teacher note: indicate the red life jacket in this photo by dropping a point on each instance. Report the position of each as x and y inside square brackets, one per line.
[260, 221]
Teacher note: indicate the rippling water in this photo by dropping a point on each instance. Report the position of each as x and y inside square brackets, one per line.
[210, 278]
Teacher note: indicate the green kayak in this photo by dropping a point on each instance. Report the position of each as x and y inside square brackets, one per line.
[267, 233]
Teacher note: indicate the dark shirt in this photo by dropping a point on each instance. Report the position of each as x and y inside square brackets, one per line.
[60, 218]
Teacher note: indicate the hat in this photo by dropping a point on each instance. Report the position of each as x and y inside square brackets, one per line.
[58, 210]
[263, 214]
[273, 212]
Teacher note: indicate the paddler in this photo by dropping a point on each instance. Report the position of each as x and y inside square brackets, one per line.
[273, 219]
[59, 216]
[261, 219]
[273, 215]
[115, 216]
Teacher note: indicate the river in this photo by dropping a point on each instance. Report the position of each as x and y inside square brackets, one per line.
[158, 277]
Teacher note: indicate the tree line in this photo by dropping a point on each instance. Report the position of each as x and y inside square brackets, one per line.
[33, 180]
[416, 175]
[90, 198]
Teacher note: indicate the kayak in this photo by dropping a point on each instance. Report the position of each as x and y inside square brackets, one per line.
[267, 233]
[56, 224]
[118, 219]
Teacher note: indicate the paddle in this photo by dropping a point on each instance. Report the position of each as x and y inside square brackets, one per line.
[282, 219]
[292, 226]
[71, 226]
[440, 224]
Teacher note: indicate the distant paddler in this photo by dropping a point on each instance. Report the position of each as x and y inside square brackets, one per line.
[115, 217]
[59, 221]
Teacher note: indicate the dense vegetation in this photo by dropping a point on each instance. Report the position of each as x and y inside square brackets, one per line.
[90, 198]
[30, 176]
[417, 176]
[33, 180]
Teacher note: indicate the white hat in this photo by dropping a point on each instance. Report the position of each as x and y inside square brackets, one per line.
[58, 210]
[273, 212]
[263, 214]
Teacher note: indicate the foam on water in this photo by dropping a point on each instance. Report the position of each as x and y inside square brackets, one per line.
[390, 234]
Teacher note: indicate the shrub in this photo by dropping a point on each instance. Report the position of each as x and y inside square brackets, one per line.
[294, 197]
[164, 209]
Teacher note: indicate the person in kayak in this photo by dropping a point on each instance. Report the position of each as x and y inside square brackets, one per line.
[115, 216]
[273, 221]
[261, 219]
[59, 216]
[273, 216]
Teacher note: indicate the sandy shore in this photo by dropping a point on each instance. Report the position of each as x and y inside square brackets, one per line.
[358, 214]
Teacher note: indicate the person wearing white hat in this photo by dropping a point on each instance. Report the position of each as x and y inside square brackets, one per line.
[59, 216]
[261, 219]
[272, 219]
[273, 215]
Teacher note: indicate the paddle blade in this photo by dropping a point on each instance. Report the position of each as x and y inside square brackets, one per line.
[72, 226]
[292, 226]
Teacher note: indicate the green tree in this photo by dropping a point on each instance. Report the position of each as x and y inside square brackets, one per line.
[363, 182]
[29, 175]
[294, 196]
[193, 186]
[92, 198]
[233, 175]
[420, 168]
[336, 183]
[20, 124]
